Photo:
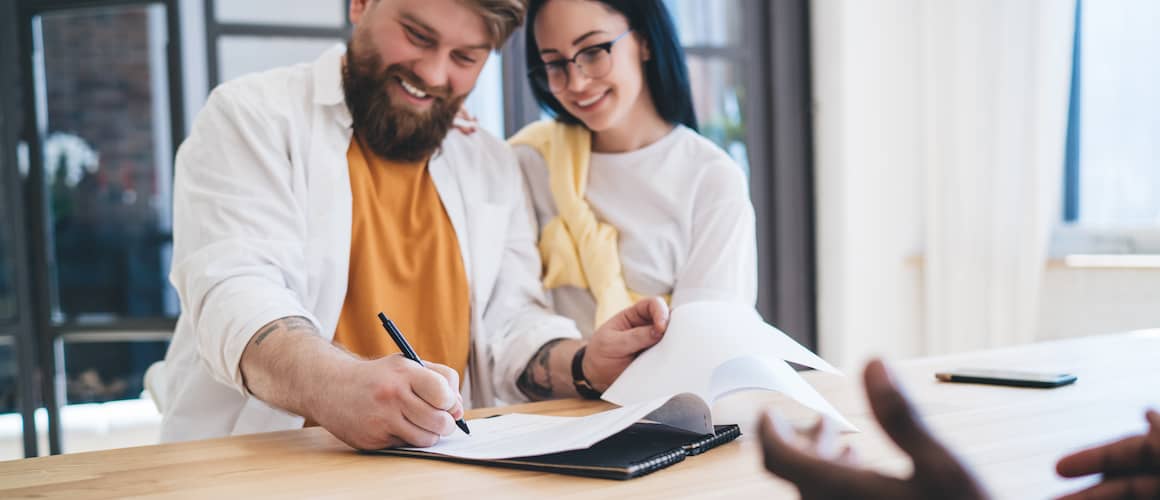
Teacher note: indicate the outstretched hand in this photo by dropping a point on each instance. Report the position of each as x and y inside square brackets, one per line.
[821, 469]
[1130, 466]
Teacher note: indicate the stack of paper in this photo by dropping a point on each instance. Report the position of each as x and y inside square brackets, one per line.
[715, 348]
[710, 349]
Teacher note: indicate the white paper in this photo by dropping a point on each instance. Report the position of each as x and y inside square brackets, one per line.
[521, 435]
[710, 349]
[715, 348]
[748, 372]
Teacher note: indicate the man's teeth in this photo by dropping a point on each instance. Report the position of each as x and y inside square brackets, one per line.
[585, 104]
[413, 90]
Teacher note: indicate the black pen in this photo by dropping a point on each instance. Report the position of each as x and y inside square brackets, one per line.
[410, 354]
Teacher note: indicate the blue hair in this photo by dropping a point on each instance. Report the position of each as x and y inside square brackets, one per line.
[666, 73]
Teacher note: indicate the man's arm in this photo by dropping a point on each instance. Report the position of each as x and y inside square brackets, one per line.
[610, 350]
[286, 360]
[549, 373]
[369, 405]
[239, 245]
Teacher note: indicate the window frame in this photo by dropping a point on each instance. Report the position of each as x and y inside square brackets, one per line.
[1073, 237]
[20, 331]
[215, 30]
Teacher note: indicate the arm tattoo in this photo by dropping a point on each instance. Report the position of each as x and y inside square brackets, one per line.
[284, 324]
[536, 381]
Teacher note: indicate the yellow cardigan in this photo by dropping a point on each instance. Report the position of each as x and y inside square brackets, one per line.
[576, 248]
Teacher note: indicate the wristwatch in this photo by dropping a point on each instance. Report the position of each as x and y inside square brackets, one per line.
[583, 386]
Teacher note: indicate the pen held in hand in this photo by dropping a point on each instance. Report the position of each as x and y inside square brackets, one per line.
[410, 354]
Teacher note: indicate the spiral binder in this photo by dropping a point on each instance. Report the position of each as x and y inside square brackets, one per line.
[641, 449]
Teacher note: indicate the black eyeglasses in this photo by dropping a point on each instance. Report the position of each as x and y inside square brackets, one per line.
[593, 62]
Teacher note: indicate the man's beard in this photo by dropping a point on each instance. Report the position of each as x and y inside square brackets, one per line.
[394, 132]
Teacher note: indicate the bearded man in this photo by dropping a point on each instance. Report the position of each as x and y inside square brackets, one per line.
[310, 198]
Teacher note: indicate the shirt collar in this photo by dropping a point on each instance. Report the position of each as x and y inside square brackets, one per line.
[328, 81]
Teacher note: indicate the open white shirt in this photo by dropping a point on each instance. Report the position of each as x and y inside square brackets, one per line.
[686, 222]
[262, 227]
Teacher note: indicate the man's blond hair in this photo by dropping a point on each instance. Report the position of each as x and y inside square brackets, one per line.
[502, 17]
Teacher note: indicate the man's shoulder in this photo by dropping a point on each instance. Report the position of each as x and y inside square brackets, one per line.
[286, 87]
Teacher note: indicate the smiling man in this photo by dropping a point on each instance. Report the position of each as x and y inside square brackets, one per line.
[310, 198]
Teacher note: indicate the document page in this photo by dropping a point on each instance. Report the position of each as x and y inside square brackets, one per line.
[715, 348]
[521, 435]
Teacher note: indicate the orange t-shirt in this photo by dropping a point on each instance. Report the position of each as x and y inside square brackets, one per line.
[405, 262]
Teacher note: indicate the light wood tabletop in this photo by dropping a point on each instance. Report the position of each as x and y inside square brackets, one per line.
[1010, 436]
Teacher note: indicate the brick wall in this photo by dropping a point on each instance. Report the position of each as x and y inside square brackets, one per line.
[97, 74]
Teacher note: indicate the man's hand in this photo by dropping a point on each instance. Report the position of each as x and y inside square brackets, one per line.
[613, 346]
[821, 470]
[619, 340]
[390, 402]
[1130, 466]
[369, 405]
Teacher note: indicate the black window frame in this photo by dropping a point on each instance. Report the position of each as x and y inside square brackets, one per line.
[19, 331]
[50, 335]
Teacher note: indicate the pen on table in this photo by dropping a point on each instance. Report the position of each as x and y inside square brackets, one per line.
[410, 354]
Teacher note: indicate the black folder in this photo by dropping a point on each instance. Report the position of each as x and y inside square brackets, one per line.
[640, 449]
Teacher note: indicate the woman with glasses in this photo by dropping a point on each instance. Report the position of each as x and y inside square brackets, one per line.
[630, 201]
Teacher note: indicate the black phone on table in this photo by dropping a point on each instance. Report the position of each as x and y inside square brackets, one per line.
[1041, 380]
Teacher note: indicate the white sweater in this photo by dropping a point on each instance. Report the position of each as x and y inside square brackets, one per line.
[684, 215]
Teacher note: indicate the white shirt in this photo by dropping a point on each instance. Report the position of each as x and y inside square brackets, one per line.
[684, 215]
[262, 227]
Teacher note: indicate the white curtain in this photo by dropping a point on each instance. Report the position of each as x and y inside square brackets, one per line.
[995, 85]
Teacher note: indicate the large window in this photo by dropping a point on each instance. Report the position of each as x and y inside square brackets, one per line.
[1112, 191]
[719, 62]
[104, 111]
[247, 36]
[101, 117]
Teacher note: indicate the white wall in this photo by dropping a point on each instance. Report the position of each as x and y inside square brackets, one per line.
[869, 182]
[870, 177]
[1078, 302]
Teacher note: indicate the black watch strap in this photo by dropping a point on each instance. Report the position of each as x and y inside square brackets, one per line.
[583, 386]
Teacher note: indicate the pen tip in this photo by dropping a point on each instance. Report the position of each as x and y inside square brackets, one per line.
[463, 425]
[382, 317]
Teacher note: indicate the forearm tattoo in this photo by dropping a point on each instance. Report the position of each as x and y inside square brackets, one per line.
[282, 325]
[536, 381]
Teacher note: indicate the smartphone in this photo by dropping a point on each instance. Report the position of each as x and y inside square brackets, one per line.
[1006, 377]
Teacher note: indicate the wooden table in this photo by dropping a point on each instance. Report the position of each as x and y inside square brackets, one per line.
[1011, 437]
